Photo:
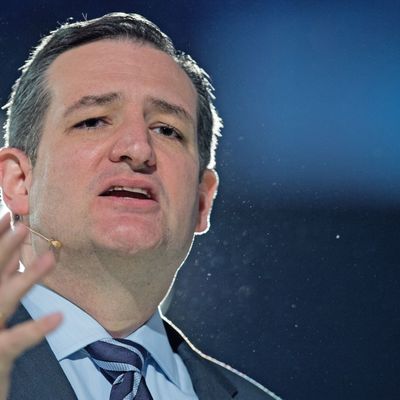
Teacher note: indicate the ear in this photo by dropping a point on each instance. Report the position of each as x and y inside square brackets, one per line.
[15, 179]
[207, 192]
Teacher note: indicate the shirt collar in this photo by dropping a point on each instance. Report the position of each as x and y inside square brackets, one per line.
[78, 329]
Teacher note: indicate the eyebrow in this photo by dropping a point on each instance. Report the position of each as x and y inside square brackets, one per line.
[166, 107]
[92, 100]
[160, 105]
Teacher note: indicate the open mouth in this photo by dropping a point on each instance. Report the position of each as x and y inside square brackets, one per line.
[128, 192]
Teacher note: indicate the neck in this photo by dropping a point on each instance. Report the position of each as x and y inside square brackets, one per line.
[120, 293]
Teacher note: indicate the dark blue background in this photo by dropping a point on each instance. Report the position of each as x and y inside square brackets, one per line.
[297, 282]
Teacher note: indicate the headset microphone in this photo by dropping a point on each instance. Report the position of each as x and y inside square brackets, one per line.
[56, 244]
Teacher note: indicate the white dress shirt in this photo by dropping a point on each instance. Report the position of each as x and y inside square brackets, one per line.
[165, 373]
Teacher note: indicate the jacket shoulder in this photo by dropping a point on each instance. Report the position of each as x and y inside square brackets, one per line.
[247, 387]
[205, 369]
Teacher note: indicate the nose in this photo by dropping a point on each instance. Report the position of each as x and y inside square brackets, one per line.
[133, 145]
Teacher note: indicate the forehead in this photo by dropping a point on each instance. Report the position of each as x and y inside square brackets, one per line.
[136, 70]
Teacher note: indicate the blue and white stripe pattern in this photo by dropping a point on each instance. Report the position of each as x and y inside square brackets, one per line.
[121, 361]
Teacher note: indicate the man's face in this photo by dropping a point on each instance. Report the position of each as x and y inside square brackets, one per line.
[117, 165]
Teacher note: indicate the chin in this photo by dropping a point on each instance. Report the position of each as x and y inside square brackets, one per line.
[130, 243]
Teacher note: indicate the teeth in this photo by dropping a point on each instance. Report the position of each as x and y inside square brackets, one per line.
[132, 190]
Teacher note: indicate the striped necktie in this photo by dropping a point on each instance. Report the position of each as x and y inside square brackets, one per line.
[121, 361]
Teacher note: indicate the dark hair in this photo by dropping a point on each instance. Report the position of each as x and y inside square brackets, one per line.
[30, 97]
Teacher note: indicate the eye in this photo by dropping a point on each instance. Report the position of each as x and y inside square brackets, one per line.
[91, 123]
[169, 131]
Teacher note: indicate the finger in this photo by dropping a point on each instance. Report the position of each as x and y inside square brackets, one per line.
[15, 340]
[19, 284]
[5, 221]
[10, 241]
[10, 268]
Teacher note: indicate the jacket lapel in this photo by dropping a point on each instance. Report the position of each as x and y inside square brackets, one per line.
[37, 373]
[208, 382]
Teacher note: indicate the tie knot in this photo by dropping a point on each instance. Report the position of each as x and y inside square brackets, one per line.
[121, 361]
[119, 355]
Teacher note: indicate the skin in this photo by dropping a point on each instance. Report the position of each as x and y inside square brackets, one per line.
[141, 130]
[13, 286]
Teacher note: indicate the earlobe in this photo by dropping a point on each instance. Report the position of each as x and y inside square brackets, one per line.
[207, 192]
[15, 179]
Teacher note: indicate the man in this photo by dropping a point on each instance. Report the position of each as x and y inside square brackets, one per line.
[109, 157]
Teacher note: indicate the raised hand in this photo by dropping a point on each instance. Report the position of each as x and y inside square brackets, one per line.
[13, 285]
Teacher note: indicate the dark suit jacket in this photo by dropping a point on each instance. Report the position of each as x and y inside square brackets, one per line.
[37, 375]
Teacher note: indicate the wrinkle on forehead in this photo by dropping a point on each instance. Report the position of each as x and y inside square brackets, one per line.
[96, 65]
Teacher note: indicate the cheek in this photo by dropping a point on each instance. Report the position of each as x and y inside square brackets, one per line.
[186, 196]
[56, 179]
[72, 163]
